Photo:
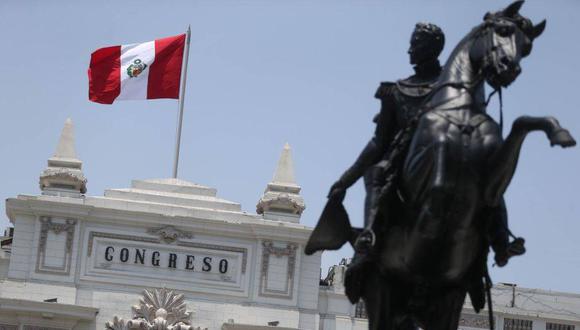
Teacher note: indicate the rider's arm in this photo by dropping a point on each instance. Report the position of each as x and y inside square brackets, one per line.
[376, 147]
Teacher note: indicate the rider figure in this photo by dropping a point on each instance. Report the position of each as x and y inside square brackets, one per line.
[400, 102]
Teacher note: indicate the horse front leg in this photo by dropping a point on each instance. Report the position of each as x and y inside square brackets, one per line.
[503, 162]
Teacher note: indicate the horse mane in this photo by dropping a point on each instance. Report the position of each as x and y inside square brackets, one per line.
[470, 36]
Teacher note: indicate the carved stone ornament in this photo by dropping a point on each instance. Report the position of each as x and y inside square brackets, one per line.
[169, 234]
[159, 309]
[282, 194]
[65, 177]
[268, 250]
[281, 202]
[67, 228]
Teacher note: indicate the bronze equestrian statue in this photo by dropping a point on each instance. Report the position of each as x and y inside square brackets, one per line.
[427, 234]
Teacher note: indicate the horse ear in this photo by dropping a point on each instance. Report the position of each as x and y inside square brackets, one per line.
[538, 29]
[513, 9]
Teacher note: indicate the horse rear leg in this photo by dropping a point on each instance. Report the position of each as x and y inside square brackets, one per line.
[503, 163]
[385, 302]
[376, 296]
[444, 309]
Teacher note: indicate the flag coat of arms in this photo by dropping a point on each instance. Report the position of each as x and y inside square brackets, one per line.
[149, 70]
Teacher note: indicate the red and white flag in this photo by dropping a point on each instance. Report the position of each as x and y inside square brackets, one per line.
[149, 70]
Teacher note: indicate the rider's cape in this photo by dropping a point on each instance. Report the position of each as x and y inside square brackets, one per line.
[332, 231]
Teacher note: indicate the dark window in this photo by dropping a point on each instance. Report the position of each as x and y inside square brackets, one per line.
[473, 321]
[517, 324]
[559, 326]
[360, 310]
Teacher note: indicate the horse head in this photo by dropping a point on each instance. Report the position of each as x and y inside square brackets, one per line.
[503, 40]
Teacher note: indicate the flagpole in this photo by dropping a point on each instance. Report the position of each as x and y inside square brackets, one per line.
[181, 99]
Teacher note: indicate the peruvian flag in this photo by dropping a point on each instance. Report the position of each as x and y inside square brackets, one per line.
[150, 70]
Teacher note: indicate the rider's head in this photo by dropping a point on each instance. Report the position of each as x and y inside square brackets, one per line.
[427, 43]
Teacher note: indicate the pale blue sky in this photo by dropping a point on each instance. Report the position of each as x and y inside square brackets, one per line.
[262, 73]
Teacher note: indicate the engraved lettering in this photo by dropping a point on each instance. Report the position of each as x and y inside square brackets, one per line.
[109, 253]
[172, 260]
[124, 256]
[206, 264]
[140, 256]
[155, 258]
[189, 262]
[223, 266]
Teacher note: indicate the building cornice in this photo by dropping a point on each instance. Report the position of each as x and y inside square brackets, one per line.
[231, 224]
[235, 326]
[47, 310]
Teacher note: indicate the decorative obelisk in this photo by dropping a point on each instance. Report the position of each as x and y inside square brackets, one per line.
[64, 176]
[281, 200]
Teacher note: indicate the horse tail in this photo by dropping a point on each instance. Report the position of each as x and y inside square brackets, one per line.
[488, 285]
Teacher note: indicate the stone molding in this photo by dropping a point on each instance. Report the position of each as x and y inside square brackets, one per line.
[169, 234]
[159, 309]
[281, 202]
[47, 225]
[236, 326]
[8, 327]
[37, 327]
[268, 250]
[52, 177]
[34, 315]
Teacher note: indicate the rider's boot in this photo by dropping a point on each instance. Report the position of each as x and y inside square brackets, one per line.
[514, 248]
[354, 276]
[499, 237]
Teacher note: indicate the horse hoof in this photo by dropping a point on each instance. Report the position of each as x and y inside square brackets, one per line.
[562, 138]
[517, 247]
[501, 261]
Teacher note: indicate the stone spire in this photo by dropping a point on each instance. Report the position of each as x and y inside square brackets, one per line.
[63, 176]
[281, 199]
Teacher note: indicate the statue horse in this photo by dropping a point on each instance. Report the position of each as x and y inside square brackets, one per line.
[428, 246]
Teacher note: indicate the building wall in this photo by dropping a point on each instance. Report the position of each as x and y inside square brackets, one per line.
[208, 314]
[514, 308]
[59, 252]
[21, 257]
[60, 247]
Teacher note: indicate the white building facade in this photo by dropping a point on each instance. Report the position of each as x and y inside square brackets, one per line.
[167, 254]
[95, 256]
[514, 308]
